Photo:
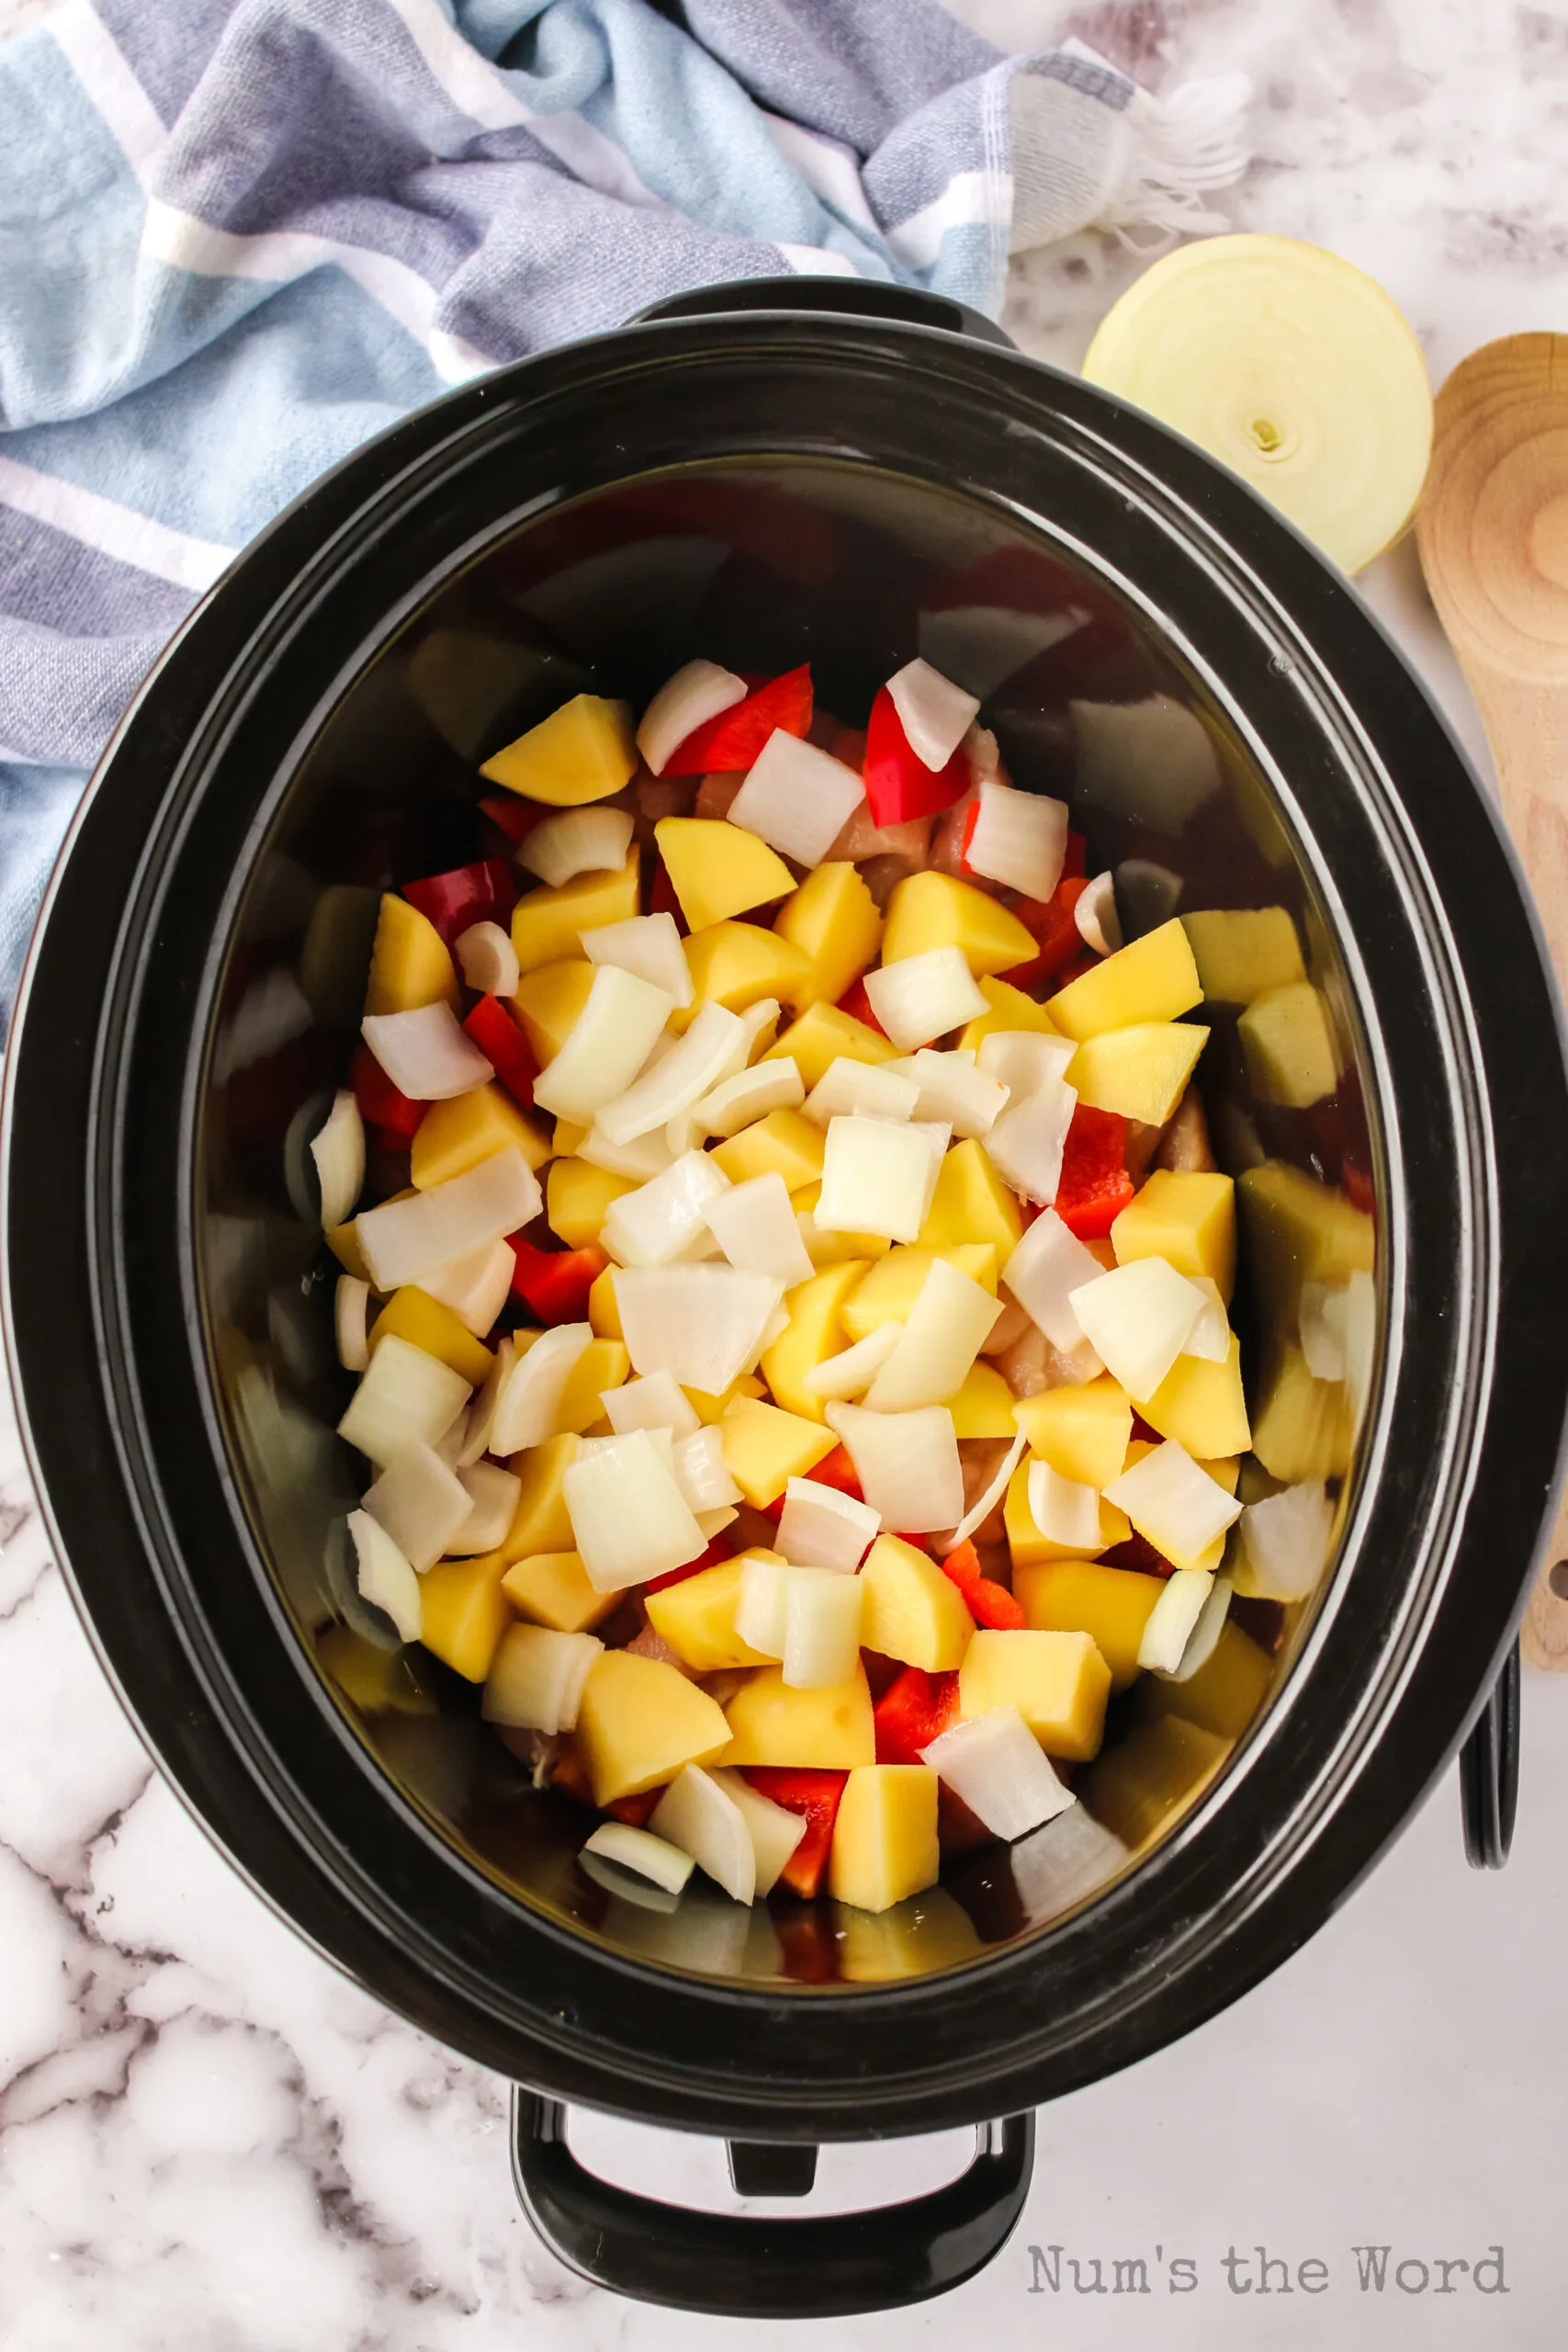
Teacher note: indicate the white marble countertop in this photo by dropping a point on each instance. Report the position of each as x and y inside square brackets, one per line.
[208, 2141]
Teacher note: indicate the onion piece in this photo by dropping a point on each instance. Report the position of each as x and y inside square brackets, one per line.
[1024, 1060]
[1203, 1640]
[1099, 926]
[762, 1608]
[403, 1241]
[350, 1301]
[984, 1505]
[953, 1088]
[1210, 1337]
[749, 1094]
[404, 1398]
[606, 1045]
[796, 797]
[714, 1522]
[638, 1849]
[821, 1628]
[476, 1288]
[338, 1150]
[530, 1398]
[995, 1765]
[820, 1528]
[908, 1465]
[1172, 1501]
[537, 1677]
[849, 1088]
[629, 1518]
[702, 1324]
[699, 1472]
[922, 997]
[1285, 1541]
[1173, 1619]
[946, 1327]
[426, 1054]
[664, 1218]
[656, 1402]
[757, 1023]
[700, 1818]
[580, 841]
[487, 959]
[934, 714]
[1049, 1263]
[481, 1414]
[696, 693]
[420, 1503]
[493, 1501]
[878, 1177]
[677, 1081]
[852, 1370]
[448, 1446]
[385, 1578]
[775, 1831]
[1138, 1319]
[1064, 1512]
[1019, 839]
[649, 1157]
[1027, 1143]
[754, 1226]
[648, 945]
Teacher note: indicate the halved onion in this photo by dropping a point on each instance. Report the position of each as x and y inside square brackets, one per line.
[878, 1176]
[762, 1609]
[948, 1324]
[487, 959]
[776, 1832]
[1285, 1540]
[821, 1528]
[427, 1054]
[1024, 1060]
[648, 945]
[1049, 1263]
[492, 1500]
[754, 1226]
[1019, 839]
[476, 1288]
[678, 1080]
[695, 694]
[994, 1765]
[420, 1503]
[1172, 1500]
[656, 1402]
[952, 1087]
[664, 1218]
[638, 1849]
[404, 1398]
[700, 1816]
[606, 1045]
[934, 714]
[351, 1302]
[798, 798]
[338, 1150]
[702, 1324]
[580, 841]
[629, 1519]
[537, 1677]
[749, 1094]
[1099, 926]
[1173, 1619]
[980, 1509]
[385, 1578]
[821, 1628]
[922, 997]
[852, 1370]
[1064, 1512]
[1027, 1143]
[701, 1474]
[908, 1465]
[849, 1088]
[529, 1402]
[1138, 1319]
[403, 1241]
[482, 1413]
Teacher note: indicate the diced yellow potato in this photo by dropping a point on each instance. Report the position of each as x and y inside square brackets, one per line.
[912, 1612]
[1225, 1693]
[603, 1314]
[1243, 952]
[1288, 1047]
[454, 1136]
[464, 1613]
[786, 1143]
[1225, 1469]
[552, 1588]
[549, 1002]
[1141, 1071]
[718, 870]
[738, 964]
[1139, 1786]
[540, 1521]
[425, 1323]
[569, 1138]
[912, 1939]
[1304, 1427]
[639, 1720]
[603, 1363]
[343, 1240]
[983, 1405]
[577, 1197]
[377, 1681]
[583, 751]
[823, 1035]
[409, 964]
[1111, 1605]
[1009, 1008]
[887, 1292]
[1300, 1231]
[548, 924]
[709, 1410]
[1187, 1217]
[696, 1617]
[932, 910]
[1083, 1433]
[885, 1843]
[832, 1248]
[972, 1202]
[1202, 1405]
[1026, 1542]
[765, 1447]
[834, 920]
[815, 1331]
[1154, 979]
[829, 1730]
[1058, 1682]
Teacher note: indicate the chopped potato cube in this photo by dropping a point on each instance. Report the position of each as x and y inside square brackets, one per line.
[933, 910]
[1289, 1046]
[983, 1405]
[1243, 952]
[409, 966]
[972, 1202]
[1154, 1773]
[1083, 1433]
[1010, 1009]
[464, 1613]
[639, 1720]
[548, 1000]
[1111, 1605]
[765, 1447]
[411, 1315]
[833, 920]
[548, 924]
[1140, 1071]
[582, 751]
[815, 1331]
[1187, 1217]
[786, 1143]
[1153, 980]
[541, 1521]
[718, 870]
[885, 1842]
[738, 965]
[1202, 1405]
[454, 1136]
[887, 1292]
[912, 1612]
[603, 1363]
[577, 1196]
[696, 1617]
[829, 1730]
[1058, 1682]
[603, 1314]
[552, 1588]
[822, 1035]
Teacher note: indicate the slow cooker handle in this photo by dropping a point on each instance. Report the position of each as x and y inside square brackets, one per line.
[761, 2266]
[861, 298]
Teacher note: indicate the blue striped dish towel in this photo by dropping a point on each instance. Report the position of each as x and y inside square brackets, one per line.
[239, 236]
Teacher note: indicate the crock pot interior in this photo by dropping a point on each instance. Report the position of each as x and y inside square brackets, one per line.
[760, 568]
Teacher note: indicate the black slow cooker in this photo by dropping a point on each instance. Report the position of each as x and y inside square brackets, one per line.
[837, 474]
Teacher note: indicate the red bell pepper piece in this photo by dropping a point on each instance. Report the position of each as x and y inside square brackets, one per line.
[1086, 962]
[556, 1283]
[1095, 1186]
[857, 1004]
[898, 784]
[814, 1794]
[913, 1712]
[733, 740]
[484, 892]
[635, 1809]
[1074, 856]
[505, 1048]
[1057, 934]
[516, 818]
[989, 1603]
[381, 1105]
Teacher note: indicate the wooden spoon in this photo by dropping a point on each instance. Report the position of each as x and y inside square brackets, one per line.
[1493, 531]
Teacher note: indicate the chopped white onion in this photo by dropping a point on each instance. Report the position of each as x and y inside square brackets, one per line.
[696, 693]
[654, 1403]
[677, 1081]
[649, 1157]
[849, 1089]
[714, 1522]
[1056, 1867]
[404, 1398]
[949, 1320]
[1049, 1263]
[492, 1500]
[1024, 1060]
[980, 1509]
[1173, 1618]
[403, 1241]
[1210, 1337]
[638, 1849]
[700, 1818]
[1203, 1640]
[700, 1471]
[606, 1045]
[757, 1023]
[1285, 1542]
[820, 1528]
[663, 1219]
[908, 1465]
[934, 714]
[480, 1417]
[385, 1578]
[663, 1442]
[796, 797]
[1099, 923]
[476, 1288]
[580, 841]
[1020, 839]
[530, 1398]
[629, 1519]
[1172, 1500]
[852, 1370]
[338, 1150]
[648, 945]
[450, 1446]
[427, 1054]
[821, 1628]
[420, 1503]
[922, 997]
[775, 1831]
[489, 960]
[995, 1765]
[537, 1677]
[350, 1303]
[1063, 1510]
[762, 1609]
[878, 1176]
[747, 1095]
[1027, 1143]
[952, 1088]
[702, 1324]
[1137, 1319]
[754, 1226]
